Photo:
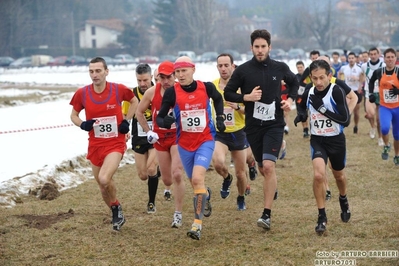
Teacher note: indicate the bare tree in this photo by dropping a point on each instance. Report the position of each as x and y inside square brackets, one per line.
[195, 22]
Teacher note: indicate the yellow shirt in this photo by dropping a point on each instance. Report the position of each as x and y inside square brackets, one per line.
[235, 120]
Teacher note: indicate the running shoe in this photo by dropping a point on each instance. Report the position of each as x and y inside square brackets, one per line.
[264, 222]
[321, 225]
[328, 195]
[208, 206]
[118, 219]
[241, 203]
[385, 152]
[195, 231]
[253, 173]
[372, 133]
[396, 160]
[355, 130]
[225, 190]
[151, 208]
[167, 195]
[177, 220]
[345, 212]
[247, 190]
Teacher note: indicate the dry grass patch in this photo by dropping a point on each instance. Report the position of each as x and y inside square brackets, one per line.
[229, 237]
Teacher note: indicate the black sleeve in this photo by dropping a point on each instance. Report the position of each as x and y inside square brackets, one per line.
[342, 116]
[292, 84]
[372, 81]
[168, 100]
[301, 108]
[230, 91]
[305, 74]
[343, 85]
[216, 97]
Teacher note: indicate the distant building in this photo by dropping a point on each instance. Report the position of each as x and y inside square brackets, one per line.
[100, 33]
[262, 23]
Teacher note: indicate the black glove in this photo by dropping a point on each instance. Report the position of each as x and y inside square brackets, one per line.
[316, 101]
[301, 117]
[220, 123]
[168, 121]
[372, 98]
[124, 127]
[393, 92]
[87, 125]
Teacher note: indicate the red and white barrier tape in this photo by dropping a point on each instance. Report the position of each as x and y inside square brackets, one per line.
[34, 129]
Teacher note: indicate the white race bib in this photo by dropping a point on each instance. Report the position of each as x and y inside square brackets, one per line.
[301, 90]
[229, 113]
[388, 98]
[264, 112]
[140, 130]
[323, 126]
[105, 127]
[193, 120]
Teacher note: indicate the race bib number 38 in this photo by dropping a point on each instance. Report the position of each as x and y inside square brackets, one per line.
[193, 120]
[105, 127]
[264, 111]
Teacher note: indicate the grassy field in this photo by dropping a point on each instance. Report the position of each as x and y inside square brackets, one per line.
[75, 229]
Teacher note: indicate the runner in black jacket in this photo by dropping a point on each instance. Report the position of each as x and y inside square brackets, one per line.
[259, 80]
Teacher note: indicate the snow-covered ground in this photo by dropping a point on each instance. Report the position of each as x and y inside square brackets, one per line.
[38, 141]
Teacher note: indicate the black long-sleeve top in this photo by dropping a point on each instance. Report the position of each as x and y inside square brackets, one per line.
[305, 75]
[377, 74]
[169, 99]
[268, 75]
[342, 115]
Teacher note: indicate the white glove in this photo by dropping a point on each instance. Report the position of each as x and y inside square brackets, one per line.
[152, 137]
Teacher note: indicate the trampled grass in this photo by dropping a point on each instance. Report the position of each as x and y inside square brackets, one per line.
[229, 237]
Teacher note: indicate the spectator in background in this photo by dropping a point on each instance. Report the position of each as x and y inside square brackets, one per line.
[336, 64]
[372, 108]
[300, 67]
[344, 59]
[305, 79]
[365, 57]
[353, 76]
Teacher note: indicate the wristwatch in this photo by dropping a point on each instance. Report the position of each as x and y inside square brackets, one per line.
[238, 107]
[322, 109]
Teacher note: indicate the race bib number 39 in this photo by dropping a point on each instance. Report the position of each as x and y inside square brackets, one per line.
[105, 127]
[264, 112]
[193, 120]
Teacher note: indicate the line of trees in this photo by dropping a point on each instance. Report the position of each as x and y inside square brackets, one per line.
[157, 27]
